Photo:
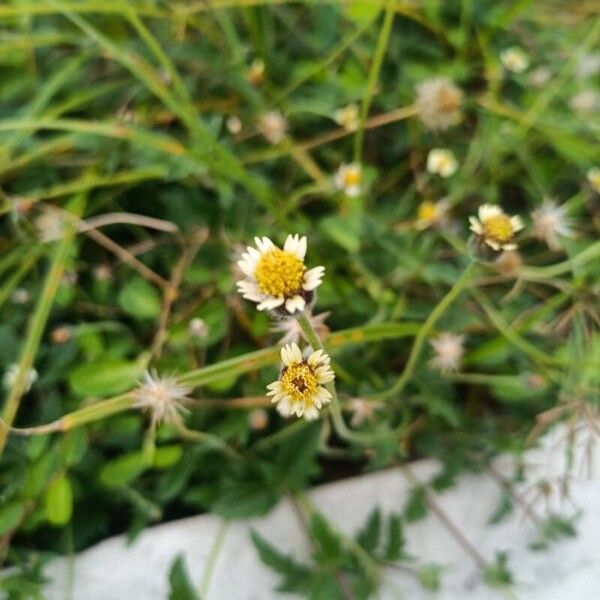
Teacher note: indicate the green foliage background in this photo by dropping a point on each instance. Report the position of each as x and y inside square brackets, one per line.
[121, 107]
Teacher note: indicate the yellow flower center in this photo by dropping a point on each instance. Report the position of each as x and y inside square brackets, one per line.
[279, 273]
[299, 383]
[427, 211]
[498, 228]
[352, 177]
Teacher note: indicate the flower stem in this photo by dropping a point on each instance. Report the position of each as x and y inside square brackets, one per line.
[424, 331]
[335, 408]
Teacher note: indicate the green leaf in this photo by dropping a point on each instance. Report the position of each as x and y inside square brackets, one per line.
[328, 541]
[167, 456]
[429, 577]
[368, 537]
[242, 499]
[58, 501]
[343, 231]
[181, 587]
[123, 470]
[10, 516]
[497, 574]
[395, 539]
[105, 378]
[296, 576]
[140, 299]
[361, 12]
[416, 507]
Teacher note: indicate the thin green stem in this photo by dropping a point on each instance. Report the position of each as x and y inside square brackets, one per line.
[382, 42]
[37, 323]
[425, 330]
[212, 559]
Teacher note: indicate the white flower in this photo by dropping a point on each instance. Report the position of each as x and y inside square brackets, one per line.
[363, 410]
[347, 117]
[430, 214]
[593, 176]
[585, 101]
[442, 161]
[495, 228]
[278, 278]
[198, 328]
[549, 221]
[438, 103]
[348, 179]
[299, 390]
[50, 224]
[589, 64]
[293, 332]
[161, 396]
[514, 59]
[233, 124]
[11, 374]
[449, 350]
[273, 126]
[540, 77]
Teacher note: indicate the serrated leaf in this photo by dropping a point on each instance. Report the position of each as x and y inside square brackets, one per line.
[328, 541]
[296, 576]
[368, 537]
[395, 539]
[416, 507]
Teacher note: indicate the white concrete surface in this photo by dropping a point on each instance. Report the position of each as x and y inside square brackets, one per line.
[569, 570]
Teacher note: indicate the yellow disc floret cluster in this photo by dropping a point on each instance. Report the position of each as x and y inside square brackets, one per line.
[279, 273]
[498, 228]
[299, 383]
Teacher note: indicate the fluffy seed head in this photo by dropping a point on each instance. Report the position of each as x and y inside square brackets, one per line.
[514, 59]
[439, 103]
[11, 374]
[549, 222]
[449, 350]
[441, 161]
[272, 125]
[161, 397]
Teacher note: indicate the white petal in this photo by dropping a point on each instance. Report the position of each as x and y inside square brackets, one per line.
[264, 244]
[492, 244]
[270, 303]
[291, 243]
[312, 278]
[314, 359]
[284, 408]
[295, 354]
[509, 247]
[294, 304]
[517, 223]
[475, 226]
[488, 210]
[248, 266]
[311, 413]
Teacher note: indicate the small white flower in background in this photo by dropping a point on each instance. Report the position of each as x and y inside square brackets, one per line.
[363, 410]
[495, 228]
[198, 328]
[272, 125]
[431, 214]
[20, 296]
[11, 374]
[161, 397]
[293, 332]
[439, 103]
[299, 390]
[540, 77]
[50, 224]
[449, 350]
[442, 162]
[347, 117]
[593, 176]
[550, 221]
[233, 124]
[258, 419]
[348, 179]
[589, 65]
[276, 277]
[586, 101]
[514, 59]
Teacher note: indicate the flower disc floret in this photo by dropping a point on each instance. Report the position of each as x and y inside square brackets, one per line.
[280, 273]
